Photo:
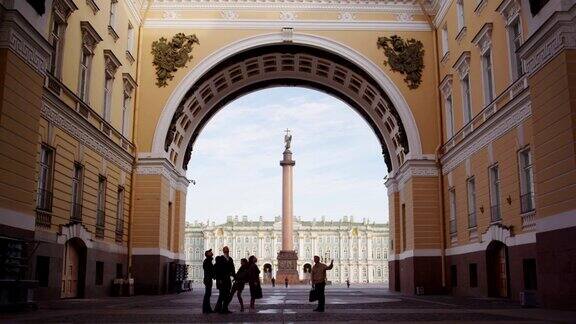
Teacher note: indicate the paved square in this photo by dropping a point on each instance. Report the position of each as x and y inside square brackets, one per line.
[281, 305]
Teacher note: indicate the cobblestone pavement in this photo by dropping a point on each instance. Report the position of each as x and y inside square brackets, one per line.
[356, 304]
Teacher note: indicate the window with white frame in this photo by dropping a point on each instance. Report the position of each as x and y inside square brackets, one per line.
[452, 198]
[487, 76]
[494, 174]
[77, 184]
[466, 99]
[130, 40]
[46, 173]
[111, 66]
[101, 206]
[108, 84]
[515, 40]
[56, 38]
[90, 39]
[113, 13]
[119, 214]
[471, 190]
[449, 116]
[460, 14]
[85, 75]
[445, 47]
[526, 181]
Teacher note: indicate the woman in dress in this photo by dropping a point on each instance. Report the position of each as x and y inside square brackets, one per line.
[254, 280]
[240, 280]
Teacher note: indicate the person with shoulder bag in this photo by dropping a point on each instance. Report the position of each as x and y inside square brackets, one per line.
[318, 278]
[254, 281]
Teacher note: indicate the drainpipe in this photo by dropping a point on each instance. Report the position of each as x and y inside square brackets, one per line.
[134, 141]
[438, 148]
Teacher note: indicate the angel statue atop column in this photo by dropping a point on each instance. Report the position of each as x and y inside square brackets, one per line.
[287, 139]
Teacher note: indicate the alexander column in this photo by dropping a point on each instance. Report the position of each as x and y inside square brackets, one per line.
[287, 257]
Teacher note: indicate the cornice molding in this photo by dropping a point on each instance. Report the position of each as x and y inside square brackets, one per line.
[111, 62]
[446, 85]
[410, 6]
[462, 64]
[415, 168]
[90, 37]
[554, 36]
[17, 35]
[154, 166]
[441, 12]
[63, 117]
[483, 39]
[509, 9]
[501, 122]
[277, 24]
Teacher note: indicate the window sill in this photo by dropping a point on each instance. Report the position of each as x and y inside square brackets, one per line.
[113, 33]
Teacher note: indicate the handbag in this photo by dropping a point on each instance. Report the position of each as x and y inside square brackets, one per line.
[257, 290]
[313, 296]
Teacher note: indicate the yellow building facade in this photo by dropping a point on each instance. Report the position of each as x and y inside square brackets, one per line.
[474, 111]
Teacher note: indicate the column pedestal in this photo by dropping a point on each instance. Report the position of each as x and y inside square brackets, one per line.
[287, 268]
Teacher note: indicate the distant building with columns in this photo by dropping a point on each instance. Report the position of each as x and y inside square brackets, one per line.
[359, 249]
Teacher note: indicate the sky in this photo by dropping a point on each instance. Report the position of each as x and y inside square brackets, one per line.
[235, 162]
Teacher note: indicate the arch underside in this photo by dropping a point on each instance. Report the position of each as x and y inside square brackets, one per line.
[285, 65]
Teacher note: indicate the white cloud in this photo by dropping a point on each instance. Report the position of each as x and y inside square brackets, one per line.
[235, 160]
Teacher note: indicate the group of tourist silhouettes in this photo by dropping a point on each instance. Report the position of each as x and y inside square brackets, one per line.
[223, 271]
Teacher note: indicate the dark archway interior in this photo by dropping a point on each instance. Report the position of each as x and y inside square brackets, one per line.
[290, 81]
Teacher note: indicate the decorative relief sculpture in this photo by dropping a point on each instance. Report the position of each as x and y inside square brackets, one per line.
[169, 56]
[406, 57]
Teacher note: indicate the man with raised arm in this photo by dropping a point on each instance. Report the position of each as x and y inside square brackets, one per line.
[318, 279]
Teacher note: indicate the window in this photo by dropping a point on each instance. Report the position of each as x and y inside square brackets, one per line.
[460, 14]
[101, 206]
[453, 276]
[526, 181]
[495, 194]
[56, 38]
[108, 85]
[84, 75]
[473, 272]
[44, 198]
[515, 41]
[99, 278]
[452, 197]
[170, 220]
[487, 76]
[120, 214]
[403, 227]
[130, 42]
[113, 13]
[77, 185]
[119, 272]
[530, 275]
[449, 117]
[445, 48]
[471, 188]
[42, 270]
[466, 99]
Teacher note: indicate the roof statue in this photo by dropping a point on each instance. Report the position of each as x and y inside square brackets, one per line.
[287, 139]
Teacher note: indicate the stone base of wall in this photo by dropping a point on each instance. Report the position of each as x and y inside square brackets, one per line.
[151, 273]
[464, 287]
[416, 275]
[556, 260]
[87, 288]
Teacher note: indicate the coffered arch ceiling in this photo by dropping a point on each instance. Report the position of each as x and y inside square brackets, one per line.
[285, 64]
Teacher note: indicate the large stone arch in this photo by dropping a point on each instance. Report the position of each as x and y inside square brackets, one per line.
[275, 60]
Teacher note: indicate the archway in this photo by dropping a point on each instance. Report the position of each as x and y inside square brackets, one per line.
[272, 60]
[267, 276]
[497, 269]
[73, 269]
